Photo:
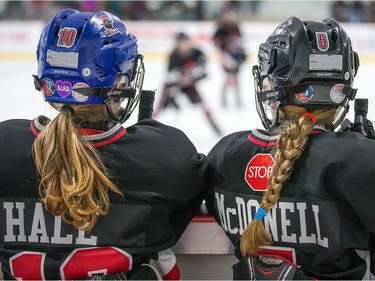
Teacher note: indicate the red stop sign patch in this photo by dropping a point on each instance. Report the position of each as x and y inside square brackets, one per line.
[258, 170]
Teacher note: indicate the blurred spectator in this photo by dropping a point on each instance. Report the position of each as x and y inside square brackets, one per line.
[134, 10]
[254, 6]
[200, 10]
[339, 11]
[40, 9]
[140, 10]
[90, 6]
[352, 11]
[357, 12]
[370, 12]
[14, 9]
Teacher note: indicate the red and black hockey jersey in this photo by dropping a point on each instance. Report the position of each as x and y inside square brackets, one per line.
[225, 35]
[190, 66]
[228, 38]
[155, 166]
[325, 218]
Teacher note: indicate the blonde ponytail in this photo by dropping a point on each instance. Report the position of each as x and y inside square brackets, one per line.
[74, 182]
[291, 143]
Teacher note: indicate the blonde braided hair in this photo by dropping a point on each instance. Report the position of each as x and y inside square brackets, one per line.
[291, 144]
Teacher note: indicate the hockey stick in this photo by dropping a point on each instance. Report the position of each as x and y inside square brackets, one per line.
[146, 104]
[361, 123]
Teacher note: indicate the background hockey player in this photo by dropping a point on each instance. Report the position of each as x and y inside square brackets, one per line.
[299, 193]
[227, 39]
[81, 196]
[186, 66]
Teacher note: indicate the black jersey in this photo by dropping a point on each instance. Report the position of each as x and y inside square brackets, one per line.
[325, 218]
[227, 35]
[190, 66]
[228, 38]
[155, 166]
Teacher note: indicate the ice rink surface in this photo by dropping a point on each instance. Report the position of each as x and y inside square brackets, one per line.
[21, 100]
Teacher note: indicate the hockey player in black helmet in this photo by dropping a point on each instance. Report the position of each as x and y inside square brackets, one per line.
[296, 199]
[305, 67]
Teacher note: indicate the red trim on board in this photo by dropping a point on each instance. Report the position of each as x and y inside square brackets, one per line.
[202, 218]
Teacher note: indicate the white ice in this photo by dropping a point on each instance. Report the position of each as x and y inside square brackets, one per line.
[21, 100]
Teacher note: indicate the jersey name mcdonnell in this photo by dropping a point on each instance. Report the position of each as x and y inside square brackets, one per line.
[303, 228]
[18, 229]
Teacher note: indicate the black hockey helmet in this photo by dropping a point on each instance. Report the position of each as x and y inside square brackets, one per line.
[305, 63]
[181, 36]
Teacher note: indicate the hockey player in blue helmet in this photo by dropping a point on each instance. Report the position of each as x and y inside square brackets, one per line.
[82, 196]
[82, 55]
[296, 199]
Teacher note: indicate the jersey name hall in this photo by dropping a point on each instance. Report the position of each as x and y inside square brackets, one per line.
[17, 230]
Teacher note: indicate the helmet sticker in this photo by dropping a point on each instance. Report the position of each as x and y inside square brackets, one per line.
[66, 37]
[86, 71]
[281, 28]
[60, 59]
[322, 41]
[63, 88]
[78, 96]
[109, 28]
[306, 95]
[337, 94]
[325, 62]
[48, 88]
[346, 75]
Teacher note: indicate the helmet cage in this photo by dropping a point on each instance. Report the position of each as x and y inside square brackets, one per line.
[268, 112]
[128, 95]
[269, 101]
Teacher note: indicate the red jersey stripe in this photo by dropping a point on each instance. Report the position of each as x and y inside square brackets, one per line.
[94, 144]
[111, 140]
[35, 132]
[262, 143]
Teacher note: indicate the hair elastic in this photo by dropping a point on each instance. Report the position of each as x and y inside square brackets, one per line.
[67, 108]
[311, 115]
[260, 214]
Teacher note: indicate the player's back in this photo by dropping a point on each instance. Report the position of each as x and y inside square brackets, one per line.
[325, 211]
[155, 166]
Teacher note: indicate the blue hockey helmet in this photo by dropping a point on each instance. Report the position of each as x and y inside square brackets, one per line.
[305, 63]
[80, 56]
